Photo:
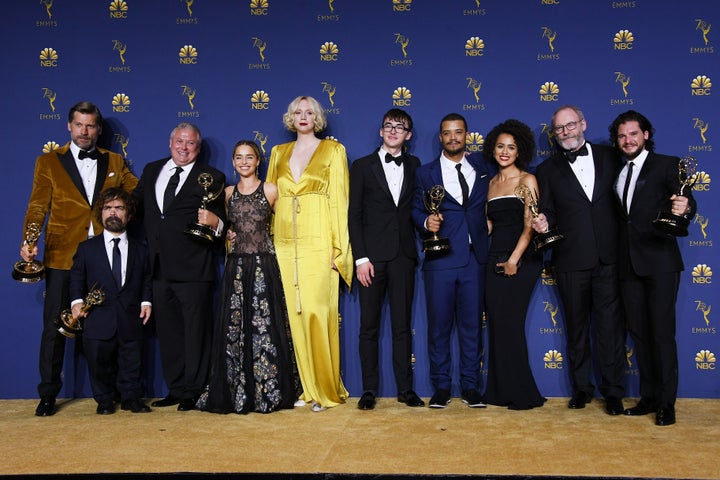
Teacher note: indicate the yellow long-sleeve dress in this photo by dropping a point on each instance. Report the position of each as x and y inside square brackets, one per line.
[310, 228]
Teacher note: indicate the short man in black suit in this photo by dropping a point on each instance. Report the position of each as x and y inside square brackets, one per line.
[576, 195]
[113, 330]
[183, 267]
[650, 261]
[383, 242]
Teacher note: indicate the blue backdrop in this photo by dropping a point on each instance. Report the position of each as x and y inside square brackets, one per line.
[233, 67]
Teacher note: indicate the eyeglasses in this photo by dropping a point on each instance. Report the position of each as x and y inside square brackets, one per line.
[399, 128]
[570, 126]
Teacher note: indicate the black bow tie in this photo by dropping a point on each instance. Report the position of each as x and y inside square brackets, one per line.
[85, 154]
[571, 156]
[389, 158]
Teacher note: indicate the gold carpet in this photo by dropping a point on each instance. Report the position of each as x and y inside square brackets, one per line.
[392, 439]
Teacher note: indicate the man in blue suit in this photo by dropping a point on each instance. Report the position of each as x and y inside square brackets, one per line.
[113, 330]
[454, 279]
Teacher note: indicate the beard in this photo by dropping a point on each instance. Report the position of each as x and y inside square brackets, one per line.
[452, 151]
[114, 225]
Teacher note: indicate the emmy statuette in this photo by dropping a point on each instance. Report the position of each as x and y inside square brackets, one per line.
[432, 200]
[70, 326]
[668, 222]
[198, 230]
[32, 271]
[543, 240]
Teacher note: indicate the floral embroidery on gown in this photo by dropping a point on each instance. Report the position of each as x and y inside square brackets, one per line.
[252, 360]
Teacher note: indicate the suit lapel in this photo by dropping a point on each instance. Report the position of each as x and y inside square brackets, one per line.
[102, 170]
[68, 162]
[377, 170]
[569, 175]
[407, 178]
[100, 253]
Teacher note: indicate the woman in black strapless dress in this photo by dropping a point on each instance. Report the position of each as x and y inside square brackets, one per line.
[513, 268]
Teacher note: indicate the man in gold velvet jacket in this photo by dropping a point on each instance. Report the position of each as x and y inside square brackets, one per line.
[65, 185]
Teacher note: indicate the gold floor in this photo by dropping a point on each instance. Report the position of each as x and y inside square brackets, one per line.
[392, 439]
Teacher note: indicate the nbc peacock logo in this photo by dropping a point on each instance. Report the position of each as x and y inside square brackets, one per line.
[118, 9]
[701, 274]
[623, 40]
[259, 7]
[50, 147]
[188, 55]
[549, 92]
[402, 5]
[700, 86]
[260, 100]
[474, 47]
[329, 52]
[48, 57]
[401, 97]
[703, 182]
[474, 142]
[121, 103]
[553, 360]
[705, 360]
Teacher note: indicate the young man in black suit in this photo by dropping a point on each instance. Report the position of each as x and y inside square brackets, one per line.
[650, 260]
[113, 330]
[183, 267]
[383, 242]
[576, 195]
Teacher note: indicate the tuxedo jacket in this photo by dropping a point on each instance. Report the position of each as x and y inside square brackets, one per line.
[590, 226]
[120, 312]
[58, 193]
[379, 229]
[648, 250]
[459, 221]
[179, 257]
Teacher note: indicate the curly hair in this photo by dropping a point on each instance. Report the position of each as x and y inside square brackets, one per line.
[320, 119]
[110, 194]
[524, 139]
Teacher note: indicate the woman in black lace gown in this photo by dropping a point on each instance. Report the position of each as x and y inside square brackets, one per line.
[513, 268]
[252, 360]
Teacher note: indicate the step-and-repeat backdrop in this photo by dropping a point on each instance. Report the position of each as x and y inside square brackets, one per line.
[233, 67]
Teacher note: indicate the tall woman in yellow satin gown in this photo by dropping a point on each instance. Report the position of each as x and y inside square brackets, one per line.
[313, 247]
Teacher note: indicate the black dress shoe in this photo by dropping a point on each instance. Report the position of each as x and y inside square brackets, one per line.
[46, 407]
[187, 404]
[367, 401]
[643, 407]
[579, 399]
[105, 408]
[166, 402]
[613, 406]
[135, 406]
[472, 398]
[410, 398]
[665, 416]
[441, 399]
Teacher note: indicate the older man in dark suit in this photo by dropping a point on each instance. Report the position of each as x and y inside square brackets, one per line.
[382, 236]
[650, 260]
[576, 195]
[65, 185]
[183, 267]
[113, 334]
